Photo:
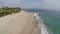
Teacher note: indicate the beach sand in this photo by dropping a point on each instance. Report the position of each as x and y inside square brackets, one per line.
[20, 23]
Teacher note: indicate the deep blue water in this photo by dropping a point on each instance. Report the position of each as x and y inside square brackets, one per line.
[50, 18]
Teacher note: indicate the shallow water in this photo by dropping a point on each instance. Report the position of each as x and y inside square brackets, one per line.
[51, 20]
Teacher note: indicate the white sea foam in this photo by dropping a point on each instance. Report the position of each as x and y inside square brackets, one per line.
[41, 25]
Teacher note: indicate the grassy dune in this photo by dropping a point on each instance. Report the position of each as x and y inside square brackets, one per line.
[8, 10]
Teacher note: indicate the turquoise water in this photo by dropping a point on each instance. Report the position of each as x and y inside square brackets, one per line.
[50, 18]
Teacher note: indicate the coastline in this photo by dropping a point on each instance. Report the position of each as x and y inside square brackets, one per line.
[43, 28]
[20, 23]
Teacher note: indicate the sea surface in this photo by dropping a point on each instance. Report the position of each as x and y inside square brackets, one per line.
[50, 20]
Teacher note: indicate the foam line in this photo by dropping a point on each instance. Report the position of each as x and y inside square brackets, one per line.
[41, 25]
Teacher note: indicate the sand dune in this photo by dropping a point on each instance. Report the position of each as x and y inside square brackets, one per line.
[20, 23]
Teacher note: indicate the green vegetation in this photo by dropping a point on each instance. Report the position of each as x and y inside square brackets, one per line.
[8, 10]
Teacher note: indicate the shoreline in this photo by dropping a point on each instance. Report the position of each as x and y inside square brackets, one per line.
[20, 23]
[36, 22]
[41, 25]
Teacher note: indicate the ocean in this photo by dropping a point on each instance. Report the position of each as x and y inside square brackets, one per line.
[50, 20]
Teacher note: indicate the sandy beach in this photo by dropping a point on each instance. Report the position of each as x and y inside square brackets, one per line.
[20, 23]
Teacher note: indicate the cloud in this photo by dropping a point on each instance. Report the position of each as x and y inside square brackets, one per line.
[51, 4]
[45, 1]
[46, 4]
[31, 4]
[21, 3]
[11, 2]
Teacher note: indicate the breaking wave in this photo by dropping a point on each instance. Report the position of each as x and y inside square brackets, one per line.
[42, 27]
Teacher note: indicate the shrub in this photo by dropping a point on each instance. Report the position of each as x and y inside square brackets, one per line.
[8, 10]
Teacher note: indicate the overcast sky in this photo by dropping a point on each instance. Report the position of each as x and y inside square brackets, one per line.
[42, 4]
